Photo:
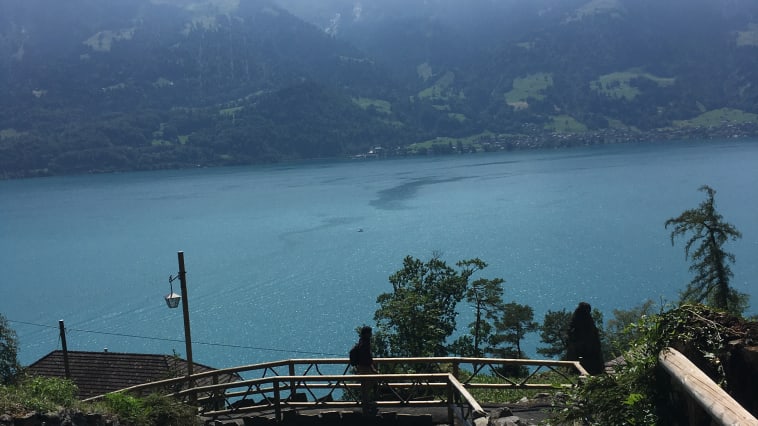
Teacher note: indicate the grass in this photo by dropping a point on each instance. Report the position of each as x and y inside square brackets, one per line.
[118, 86]
[424, 71]
[9, 133]
[510, 395]
[618, 124]
[441, 88]
[565, 124]
[207, 23]
[162, 82]
[457, 116]
[749, 37]
[528, 45]
[103, 40]
[597, 7]
[378, 104]
[527, 87]
[618, 84]
[52, 394]
[231, 111]
[38, 394]
[719, 117]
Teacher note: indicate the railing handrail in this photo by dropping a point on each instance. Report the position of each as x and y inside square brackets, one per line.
[465, 400]
[292, 363]
[714, 400]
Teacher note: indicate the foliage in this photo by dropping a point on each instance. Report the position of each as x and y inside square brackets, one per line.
[500, 396]
[152, 410]
[128, 408]
[620, 328]
[511, 326]
[486, 297]
[636, 394]
[159, 85]
[53, 394]
[9, 366]
[554, 333]
[510, 370]
[717, 117]
[708, 232]
[42, 394]
[419, 315]
[462, 346]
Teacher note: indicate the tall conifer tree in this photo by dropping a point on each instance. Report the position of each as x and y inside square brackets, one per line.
[708, 232]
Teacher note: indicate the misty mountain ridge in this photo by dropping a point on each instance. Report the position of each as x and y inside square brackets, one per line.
[96, 85]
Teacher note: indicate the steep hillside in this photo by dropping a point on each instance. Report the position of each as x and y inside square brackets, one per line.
[115, 85]
[104, 85]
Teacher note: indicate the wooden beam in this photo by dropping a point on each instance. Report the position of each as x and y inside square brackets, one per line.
[714, 400]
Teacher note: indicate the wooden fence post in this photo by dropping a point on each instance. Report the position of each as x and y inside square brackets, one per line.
[716, 402]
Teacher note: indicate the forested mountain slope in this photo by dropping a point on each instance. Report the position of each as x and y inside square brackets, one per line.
[105, 85]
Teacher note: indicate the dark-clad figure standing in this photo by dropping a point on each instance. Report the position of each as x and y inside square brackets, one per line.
[365, 365]
[365, 357]
[584, 340]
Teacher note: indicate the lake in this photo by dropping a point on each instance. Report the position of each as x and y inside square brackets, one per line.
[285, 261]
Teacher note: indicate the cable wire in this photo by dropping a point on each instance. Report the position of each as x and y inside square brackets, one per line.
[225, 345]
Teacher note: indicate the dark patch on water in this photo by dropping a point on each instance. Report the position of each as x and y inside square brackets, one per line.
[394, 198]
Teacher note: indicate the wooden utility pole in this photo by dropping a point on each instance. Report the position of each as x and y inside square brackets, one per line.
[185, 312]
[66, 369]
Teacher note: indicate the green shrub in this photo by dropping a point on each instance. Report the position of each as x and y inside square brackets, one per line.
[51, 394]
[128, 408]
[639, 393]
[41, 394]
[165, 411]
[153, 410]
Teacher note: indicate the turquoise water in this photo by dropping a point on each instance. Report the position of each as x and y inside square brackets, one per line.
[277, 267]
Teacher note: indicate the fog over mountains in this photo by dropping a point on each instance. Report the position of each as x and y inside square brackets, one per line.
[110, 85]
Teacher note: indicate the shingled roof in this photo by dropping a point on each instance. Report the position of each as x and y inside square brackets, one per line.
[97, 373]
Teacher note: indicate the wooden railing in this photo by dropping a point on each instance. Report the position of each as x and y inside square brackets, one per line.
[327, 383]
[397, 390]
[715, 401]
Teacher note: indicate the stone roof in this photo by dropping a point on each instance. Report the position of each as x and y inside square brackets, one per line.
[97, 373]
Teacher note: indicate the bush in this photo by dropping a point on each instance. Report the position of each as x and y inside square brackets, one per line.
[128, 408]
[638, 392]
[51, 394]
[154, 410]
[41, 394]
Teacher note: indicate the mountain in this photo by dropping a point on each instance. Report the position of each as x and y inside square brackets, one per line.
[110, 85]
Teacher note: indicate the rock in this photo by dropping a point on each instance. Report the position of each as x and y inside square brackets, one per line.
[502, 412]
[51, 419]
[94, 419]
[258, 421]
[508, 421]
[31, 419]
[79, 419]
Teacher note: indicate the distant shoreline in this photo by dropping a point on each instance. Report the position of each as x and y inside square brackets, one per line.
[484, 143]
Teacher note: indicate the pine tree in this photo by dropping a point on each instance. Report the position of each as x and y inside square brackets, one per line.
[708, 232]
[9, 366]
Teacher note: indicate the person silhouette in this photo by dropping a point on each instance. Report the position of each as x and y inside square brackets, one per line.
[584, 340]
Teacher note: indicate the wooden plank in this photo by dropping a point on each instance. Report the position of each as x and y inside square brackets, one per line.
[722, 407]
